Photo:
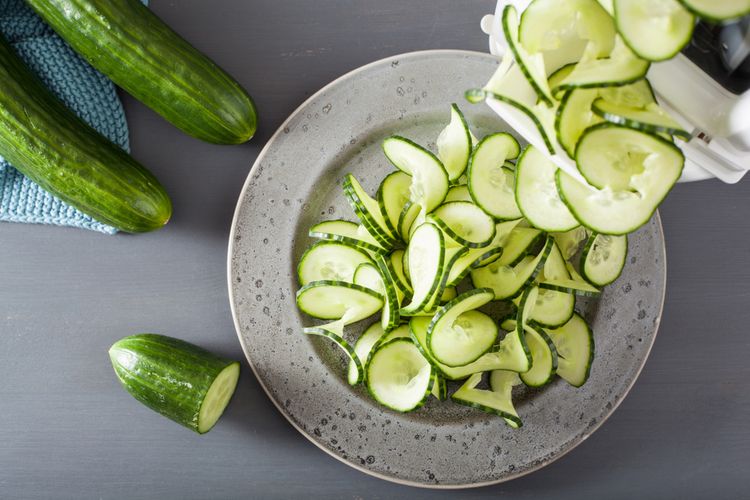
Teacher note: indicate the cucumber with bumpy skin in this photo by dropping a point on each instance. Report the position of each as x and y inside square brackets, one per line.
[52, 146]
[180, 380]
[127, 42]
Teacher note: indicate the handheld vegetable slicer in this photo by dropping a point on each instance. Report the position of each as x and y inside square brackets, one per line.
[706, 88]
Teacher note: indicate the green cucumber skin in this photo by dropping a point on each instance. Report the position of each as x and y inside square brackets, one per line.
[168, 375]
[127, 42]
[52, 146]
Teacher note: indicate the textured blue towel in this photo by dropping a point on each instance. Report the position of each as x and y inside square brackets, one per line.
[83, 89]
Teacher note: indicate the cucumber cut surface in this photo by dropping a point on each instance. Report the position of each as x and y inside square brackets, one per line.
[511, 354]
[392, 195]
[330, 260]
[426, 262]
[650, 118]
[561, 30]
[603, 258]
[429, 179]
[398, 376]
[454, 145]
[458, 334]
[368, 211]
[520, 242]
[633, 172]
[337, 300]
[362, 348]
[569, 242]
[465, 223]
[544, 358]
[490, 182]
[507, 282]
[654, 29]
[346, 232]
[458, 193]
[531, 64]
[718, 10]
[497, 401]
[537, 195]
[574, 115]
[368, 276]
[574, 343]
[620, 68]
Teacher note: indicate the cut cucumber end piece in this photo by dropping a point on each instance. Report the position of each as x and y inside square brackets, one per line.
[218, 396]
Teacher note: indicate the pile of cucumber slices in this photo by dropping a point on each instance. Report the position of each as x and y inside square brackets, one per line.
[574, 80]
[445, 236]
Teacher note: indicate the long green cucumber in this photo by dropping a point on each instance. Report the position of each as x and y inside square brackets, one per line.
[175, 378]
[52, 146]
[127, 42]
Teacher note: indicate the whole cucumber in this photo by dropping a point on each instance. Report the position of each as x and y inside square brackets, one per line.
[175, 378]
[127, 42]
[55, 148]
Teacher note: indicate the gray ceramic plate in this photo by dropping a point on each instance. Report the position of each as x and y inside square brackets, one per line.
[296, 182]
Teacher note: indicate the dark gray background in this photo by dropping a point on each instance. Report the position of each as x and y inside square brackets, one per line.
[67, 430]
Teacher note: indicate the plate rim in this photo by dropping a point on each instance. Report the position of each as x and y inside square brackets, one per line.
[235, 317]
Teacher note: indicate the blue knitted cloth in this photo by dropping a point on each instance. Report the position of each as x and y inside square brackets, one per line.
[83, 89]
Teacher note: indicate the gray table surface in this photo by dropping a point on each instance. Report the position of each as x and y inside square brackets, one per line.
[67, 430]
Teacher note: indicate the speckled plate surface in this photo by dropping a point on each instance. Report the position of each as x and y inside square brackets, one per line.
[296, 182]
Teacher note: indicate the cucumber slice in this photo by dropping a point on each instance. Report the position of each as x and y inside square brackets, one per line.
[362, 348]
[330, 260]
[454, 145]
[536, 193]
[348, 233]
[569, 242]
[512, 353]
[338, 300]
[368, 276]
[558, 76]
[544, 358]
[458, 334]
[490, 182]
[179, 380]
[368, 211]
[574, 115]
[477, 257]
[392, 195]
[439, 387]
[575, 285]
[603, 258]
[337, 339]
[553, 308]
[449, 293]
[654, 29]
[398, 376]
[574, 343]
[498, 401]
[426, 262]
[718, 10]
[620, 68]
[406, 220]
[429, 183]
[561, 30]
[651, 118]
[465, 224]
[396, 266]
[636, 95]
[531, 64]
[508, 282]
[390, 317]
[634, 171]
[510, 93]
[458, 193]
[520, 243]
